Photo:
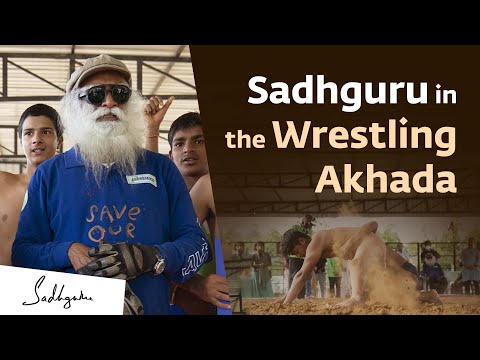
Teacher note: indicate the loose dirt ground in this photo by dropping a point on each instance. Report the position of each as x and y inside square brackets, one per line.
[454, 305]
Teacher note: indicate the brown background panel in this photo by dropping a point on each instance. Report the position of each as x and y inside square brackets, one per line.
[222, 74]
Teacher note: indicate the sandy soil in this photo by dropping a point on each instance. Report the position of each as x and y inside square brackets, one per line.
[454, 305]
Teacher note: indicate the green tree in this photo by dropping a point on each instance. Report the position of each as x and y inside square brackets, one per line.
[390, 236]
[254, 235]
[298, 227]
[273, 236]
[273, 239]
[230, 236]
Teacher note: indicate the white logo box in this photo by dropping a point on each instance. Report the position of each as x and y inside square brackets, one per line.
[39, 292]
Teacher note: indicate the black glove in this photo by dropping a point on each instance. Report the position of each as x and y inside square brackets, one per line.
[131, 303]
[121, 260]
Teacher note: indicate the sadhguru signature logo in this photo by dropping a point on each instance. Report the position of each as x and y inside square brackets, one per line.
[54, 297]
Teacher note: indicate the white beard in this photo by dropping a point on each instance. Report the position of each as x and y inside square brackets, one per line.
[105, 142]
[431, 261]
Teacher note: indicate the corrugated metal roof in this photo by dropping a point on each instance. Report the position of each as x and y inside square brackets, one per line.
[42, 71]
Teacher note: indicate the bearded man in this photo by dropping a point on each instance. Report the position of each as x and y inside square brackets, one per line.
[107, 207]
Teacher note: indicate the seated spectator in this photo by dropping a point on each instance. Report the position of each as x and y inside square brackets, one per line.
[427, 247]
[433, 273]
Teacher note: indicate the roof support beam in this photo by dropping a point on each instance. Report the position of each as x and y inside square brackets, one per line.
[87, 56]
[169, 68]
[57, 98]
[35, 75]
[170, 76]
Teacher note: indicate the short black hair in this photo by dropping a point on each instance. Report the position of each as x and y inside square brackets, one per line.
[290, 240]
[185, 121]
[41, 110]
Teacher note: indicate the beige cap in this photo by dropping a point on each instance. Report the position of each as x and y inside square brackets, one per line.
[93, 65]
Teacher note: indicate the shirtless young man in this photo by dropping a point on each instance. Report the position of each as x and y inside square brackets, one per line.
[40, 132]
[188, 152]
[189, 155]
[370, 258]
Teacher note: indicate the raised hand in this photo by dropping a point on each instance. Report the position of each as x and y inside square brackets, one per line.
[155, 111]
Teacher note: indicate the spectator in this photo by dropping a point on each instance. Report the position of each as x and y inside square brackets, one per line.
[334, 271]
[321, 276]
[262, 273]
[309, 286]
[402, 251]
[295, 263]
[433, 273]
[239, 274]
[470, 259]
[427, 247]
[238, 251]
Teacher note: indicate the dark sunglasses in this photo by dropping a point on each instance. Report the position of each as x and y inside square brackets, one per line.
[96, 95]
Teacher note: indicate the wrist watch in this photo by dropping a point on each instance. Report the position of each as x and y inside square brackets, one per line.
[160, 264]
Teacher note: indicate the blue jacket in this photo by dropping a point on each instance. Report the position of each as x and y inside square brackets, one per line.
[64, 205]
[434, 272]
